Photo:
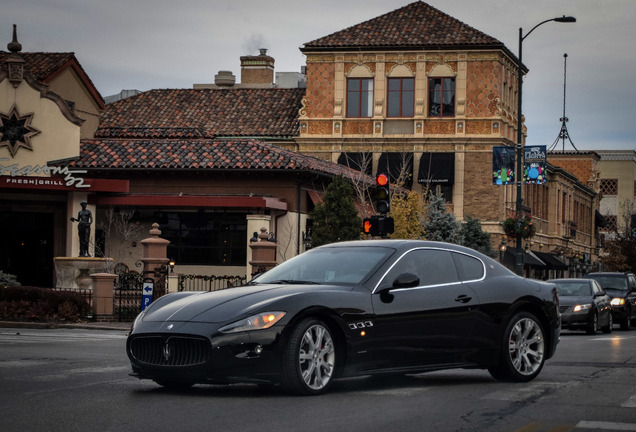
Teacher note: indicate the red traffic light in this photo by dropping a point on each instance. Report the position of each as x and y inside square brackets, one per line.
[382, 180]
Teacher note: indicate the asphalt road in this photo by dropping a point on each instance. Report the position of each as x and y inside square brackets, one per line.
[77, 380]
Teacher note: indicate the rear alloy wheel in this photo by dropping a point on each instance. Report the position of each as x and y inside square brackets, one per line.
[592, 327]
[522, 354]
[309, 359]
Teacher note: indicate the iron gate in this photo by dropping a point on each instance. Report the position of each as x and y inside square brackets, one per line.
[129, 292]
[127, 298]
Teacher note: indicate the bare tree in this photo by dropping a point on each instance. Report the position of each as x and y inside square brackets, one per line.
[119, 231]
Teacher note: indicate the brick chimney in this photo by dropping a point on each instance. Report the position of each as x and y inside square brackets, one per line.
[257, 71]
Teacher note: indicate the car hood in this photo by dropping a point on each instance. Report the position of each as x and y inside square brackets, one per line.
[228, 304]
[615, 293]
[574, 300]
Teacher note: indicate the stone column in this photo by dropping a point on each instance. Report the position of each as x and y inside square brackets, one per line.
[155, 260]
[254, 224]
[263, 253]
[103, 291]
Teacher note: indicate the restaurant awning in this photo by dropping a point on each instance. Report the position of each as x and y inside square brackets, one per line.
[437, 168]
[529, 259]
[552, 261]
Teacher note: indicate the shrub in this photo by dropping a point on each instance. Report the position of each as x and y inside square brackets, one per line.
[7, 279]
[41, 304]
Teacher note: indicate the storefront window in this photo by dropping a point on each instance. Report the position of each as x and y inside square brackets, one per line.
[205, 238]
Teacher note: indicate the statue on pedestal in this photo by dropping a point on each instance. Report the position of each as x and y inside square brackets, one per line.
[85, 219]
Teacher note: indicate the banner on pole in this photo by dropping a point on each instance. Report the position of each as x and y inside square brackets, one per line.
[503, 165]
[534, 160]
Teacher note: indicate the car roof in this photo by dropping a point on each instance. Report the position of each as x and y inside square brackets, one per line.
[402, 244]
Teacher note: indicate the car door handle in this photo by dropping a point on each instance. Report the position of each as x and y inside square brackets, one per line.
[463, 298]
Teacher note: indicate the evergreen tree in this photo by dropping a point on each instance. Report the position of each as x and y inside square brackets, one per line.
[441, 225]
[336, 218]
[406, 211]
[475, 237]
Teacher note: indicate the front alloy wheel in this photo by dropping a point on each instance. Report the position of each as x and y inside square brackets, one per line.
[522, 356]
[309, 359]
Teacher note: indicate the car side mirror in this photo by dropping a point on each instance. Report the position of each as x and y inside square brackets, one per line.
[406, 280]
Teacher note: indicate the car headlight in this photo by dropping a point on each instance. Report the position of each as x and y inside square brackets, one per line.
[255, 322]
[618, 301]
[582, 307]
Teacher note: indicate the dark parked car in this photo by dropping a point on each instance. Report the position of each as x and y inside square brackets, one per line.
[352, 308]
[622, 288]
[584, 305]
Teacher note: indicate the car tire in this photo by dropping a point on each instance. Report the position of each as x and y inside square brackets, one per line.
[522, 350]
[592, 327]
[610, 324]
[309, 358]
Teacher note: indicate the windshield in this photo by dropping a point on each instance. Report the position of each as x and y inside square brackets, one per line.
[611, 282]
[328, 265]
[567, 289]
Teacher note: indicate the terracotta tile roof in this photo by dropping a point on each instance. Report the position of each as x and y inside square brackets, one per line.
[204, 113]
[416, 25]
[42, 65]
[45, 66]
[208, 154]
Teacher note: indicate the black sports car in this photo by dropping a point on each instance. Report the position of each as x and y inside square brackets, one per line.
[352, 308]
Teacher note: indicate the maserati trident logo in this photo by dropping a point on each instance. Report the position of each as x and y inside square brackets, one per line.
[170, 327]
[167, 350]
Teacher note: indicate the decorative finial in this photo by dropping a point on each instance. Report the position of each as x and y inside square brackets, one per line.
[14, 46]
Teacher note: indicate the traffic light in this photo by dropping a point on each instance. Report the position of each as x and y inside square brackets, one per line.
[382, 196]
[378, 226]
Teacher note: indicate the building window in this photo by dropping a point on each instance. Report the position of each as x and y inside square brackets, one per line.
[205, 238]
[362, 162]
[437, 174]
[359, 97]
[399, 167]
[609, 187]
[610, 223]
[441, 97]
[401, 97]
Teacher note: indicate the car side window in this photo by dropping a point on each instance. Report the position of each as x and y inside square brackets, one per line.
[468, 267]
[431, 266]
[632, 282]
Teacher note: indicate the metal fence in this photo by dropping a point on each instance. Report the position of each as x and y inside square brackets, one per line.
[209, 283]
[128, 292]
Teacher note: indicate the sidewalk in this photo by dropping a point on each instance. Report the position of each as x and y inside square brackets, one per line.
[120, 326]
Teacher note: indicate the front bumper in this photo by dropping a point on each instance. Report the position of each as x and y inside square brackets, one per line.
[574, 320]
[197, 358]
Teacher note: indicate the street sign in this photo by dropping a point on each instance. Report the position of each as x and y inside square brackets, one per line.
[146, 297]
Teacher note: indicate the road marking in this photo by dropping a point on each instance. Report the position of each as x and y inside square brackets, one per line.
[583, 424]
[630, 403]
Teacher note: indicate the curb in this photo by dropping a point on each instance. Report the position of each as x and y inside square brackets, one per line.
[54, 325]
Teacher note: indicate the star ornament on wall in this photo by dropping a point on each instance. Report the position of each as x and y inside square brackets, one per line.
[16, 131]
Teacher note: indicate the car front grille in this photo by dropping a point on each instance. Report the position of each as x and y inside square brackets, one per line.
[170, 350]
[563, 308]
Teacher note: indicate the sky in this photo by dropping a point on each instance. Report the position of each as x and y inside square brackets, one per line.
[157, 44]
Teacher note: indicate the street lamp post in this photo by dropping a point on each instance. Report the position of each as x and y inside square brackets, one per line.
[519, 147]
